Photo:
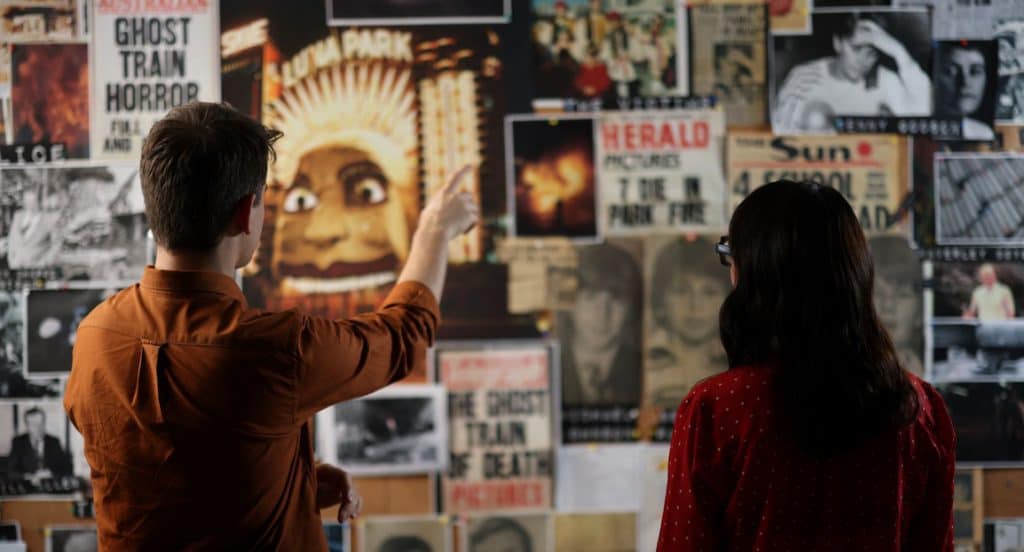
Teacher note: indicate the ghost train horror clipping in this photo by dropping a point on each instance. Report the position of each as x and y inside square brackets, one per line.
[374, 120]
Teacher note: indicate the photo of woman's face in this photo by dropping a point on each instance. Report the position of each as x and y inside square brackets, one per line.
[961, 78]
[691, 304]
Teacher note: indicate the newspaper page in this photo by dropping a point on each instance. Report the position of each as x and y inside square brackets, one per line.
[661, 172]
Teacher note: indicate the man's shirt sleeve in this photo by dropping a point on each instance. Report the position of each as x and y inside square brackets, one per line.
[344, 359]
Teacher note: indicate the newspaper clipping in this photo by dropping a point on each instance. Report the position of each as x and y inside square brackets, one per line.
[406, 534]
[730, 60]
[661, 172]
[1010, 95]
[509, 532]
[148, 60]
[601, 338]
[866, 169]
[71, 222]
[500, 415]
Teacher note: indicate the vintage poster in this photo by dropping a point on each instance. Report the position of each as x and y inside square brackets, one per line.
[405, 534]
[418, 12]
[605, 50]
[500, 434]
[40, 20]
[976, 325]
[987, 417]
[968, 506]
[965, 85]
[1010, 42]
[729, 53]
[13, 383]
[375, 119]
[59, 472]
[685, 286]
[898, 298]
[652, 501]
[398, 430]
[71, 538]
[541, 273]
[979, 199]
[617, 466]
[71, 222]
[50, 96]
[866, 169]
[820, 76]
[790, 16]
[52, 317]
[661, 172]
[601, 344]
[509, 532]
[148, 59]
[965, 19]
[596, 532]
[551, 172]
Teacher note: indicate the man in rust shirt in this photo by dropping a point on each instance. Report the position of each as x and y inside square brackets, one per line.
[195, 408]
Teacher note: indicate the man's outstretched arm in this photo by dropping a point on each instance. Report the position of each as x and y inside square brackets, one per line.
[344, 359]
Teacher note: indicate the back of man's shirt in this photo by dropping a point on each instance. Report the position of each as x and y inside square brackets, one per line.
[195, 409]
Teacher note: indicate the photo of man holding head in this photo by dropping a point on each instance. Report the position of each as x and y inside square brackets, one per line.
[864, 63]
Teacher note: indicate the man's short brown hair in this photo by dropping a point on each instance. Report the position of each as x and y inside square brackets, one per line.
[198, 162]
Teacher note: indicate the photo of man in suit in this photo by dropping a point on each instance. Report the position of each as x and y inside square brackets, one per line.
[35, 455]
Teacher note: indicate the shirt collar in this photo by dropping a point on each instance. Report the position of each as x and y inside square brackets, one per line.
[182, 280]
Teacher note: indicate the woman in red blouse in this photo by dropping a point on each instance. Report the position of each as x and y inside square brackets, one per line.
[815, 439]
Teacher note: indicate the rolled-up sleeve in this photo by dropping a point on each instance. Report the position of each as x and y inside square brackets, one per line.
[344, 359]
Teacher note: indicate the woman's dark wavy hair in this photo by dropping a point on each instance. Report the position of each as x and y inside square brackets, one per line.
[804, 299]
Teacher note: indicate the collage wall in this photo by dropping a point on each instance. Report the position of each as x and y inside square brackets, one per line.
[610, 140]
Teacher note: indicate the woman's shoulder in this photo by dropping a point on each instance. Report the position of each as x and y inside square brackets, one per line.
[739, 386]
[933, 417]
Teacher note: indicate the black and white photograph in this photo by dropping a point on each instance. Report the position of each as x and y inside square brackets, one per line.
[406, 534]
[52, 319]
[339, 537]
[342, 13]
[869, 62]
[977, 330]
[513, 532]
[1004, 535]
[398, 430]
[899, 299]
[1010, 43]
[13, 384]
[979, 199]
[966, 76]
[551, 176]
[601, 336]
[10, 531]
[685, 286]
[989, 421]
[38, 445]
[604, 50]
[71, 538]
[72, 223]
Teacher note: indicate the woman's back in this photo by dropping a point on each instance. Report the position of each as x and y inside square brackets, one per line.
[738, 482]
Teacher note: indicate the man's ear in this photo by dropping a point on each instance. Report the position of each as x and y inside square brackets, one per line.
[242, 221]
